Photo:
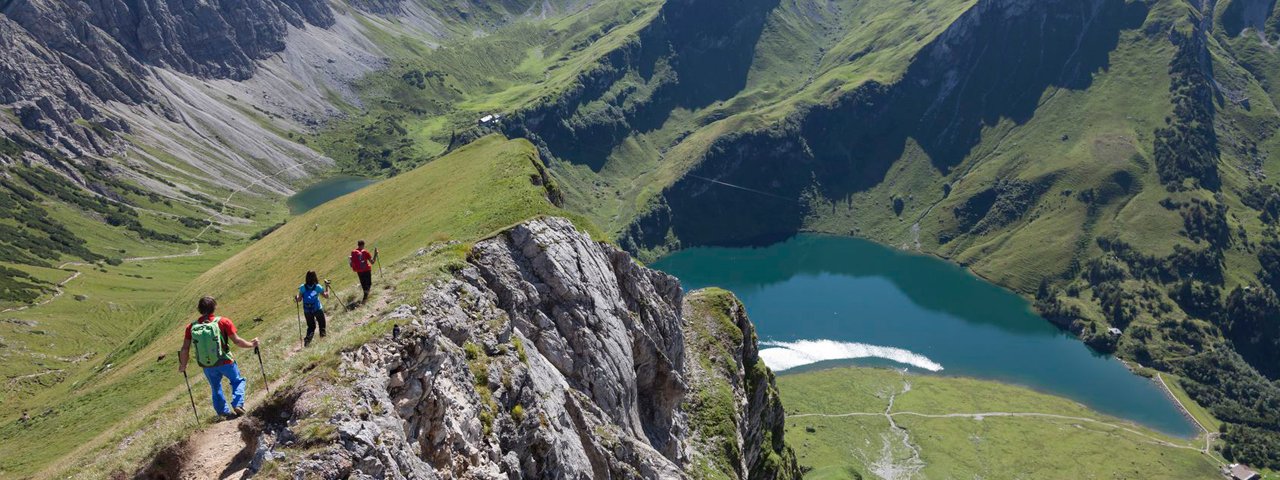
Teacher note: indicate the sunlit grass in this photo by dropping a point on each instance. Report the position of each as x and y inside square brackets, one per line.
[965, 447]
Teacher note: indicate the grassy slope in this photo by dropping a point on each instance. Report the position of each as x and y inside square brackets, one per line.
[415, 107]
[716, 342]
[806, 53]
[105, 300]
[1197, 411]
[91, 318]
[994, 447]
[1105, 126]
[463, 196]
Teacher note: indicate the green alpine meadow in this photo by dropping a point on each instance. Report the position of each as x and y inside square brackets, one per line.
[708, 239]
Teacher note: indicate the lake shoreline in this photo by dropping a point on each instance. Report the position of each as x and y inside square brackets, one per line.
[837, 297]
[323, 190]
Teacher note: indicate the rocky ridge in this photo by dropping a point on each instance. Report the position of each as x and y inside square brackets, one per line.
[549, 355]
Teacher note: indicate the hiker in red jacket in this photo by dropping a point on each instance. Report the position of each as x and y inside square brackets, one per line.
[213, 352]
[362, 263]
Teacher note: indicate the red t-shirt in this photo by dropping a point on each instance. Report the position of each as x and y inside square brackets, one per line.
[224, 324]
[360, 260]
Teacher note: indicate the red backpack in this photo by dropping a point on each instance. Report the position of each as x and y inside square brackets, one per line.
[358, 262]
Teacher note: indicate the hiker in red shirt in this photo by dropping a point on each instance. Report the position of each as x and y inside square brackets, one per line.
[362, 263]
[212, 337]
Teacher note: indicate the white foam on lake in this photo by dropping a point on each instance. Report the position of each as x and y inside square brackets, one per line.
[781, 356]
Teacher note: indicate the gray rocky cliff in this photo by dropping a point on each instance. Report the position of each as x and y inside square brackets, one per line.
[65, 60]
[112, 39]
[726, 374]
[550, 355]
[222, 87]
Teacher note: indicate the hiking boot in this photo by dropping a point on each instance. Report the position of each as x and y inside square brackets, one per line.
[238, 411]
[307, 341]
[322, 334]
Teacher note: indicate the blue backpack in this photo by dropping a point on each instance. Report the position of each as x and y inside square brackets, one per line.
[311, 297]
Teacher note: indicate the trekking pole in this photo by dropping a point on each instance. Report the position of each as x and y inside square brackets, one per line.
[262, 369]
[378, 263]
[328, 288]
[299, 317]
[191, 396]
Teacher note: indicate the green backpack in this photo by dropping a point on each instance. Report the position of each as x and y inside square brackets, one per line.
[209, 343]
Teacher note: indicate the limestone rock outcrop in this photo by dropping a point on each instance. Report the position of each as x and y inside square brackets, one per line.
[550, 355]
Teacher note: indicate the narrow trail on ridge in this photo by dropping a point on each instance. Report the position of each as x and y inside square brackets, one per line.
[219, 451]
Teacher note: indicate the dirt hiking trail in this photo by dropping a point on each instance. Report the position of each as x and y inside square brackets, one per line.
[224, 449]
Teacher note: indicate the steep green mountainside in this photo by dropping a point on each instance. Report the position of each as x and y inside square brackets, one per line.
[647, 115]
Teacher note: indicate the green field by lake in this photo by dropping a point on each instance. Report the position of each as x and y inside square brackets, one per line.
[838, 420]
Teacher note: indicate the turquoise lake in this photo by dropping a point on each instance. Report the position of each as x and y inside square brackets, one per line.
[860, 299]
[325, 190]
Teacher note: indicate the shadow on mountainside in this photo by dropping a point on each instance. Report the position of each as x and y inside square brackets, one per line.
[991, 64]
[693, 54]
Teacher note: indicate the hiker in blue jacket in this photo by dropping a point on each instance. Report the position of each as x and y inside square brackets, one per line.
[309, 294]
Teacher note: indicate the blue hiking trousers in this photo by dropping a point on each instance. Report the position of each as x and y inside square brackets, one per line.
[232, 372]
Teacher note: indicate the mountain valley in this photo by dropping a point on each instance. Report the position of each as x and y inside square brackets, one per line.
[1113, 162]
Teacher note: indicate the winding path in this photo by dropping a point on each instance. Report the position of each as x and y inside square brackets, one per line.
[195, 252]
[886, 467]
[983, 415]
[1209, 435]
[58, 291]
[227, 201]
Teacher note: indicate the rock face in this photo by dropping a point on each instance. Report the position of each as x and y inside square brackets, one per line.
[219, 38]
[726, 374]
[65, 59]
[550, 355]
